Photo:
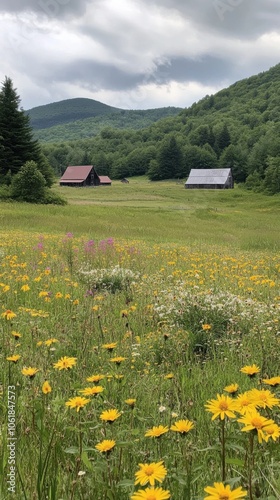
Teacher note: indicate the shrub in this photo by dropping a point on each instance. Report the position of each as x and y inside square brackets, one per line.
[29, 184]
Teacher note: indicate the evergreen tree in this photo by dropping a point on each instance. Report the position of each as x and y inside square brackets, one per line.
[17, 145]
[223, 139]
[170, 159]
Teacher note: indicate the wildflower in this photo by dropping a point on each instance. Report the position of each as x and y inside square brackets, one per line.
[43, 294]
[17, 335]
[130, 402]
[182, 426]
[29, 372]
[151, 494]
[271, 431]
[25, 288]
[58, 295]
[221, 407]
[46, 388]
[206, 327]
[274, 381]
[65, 363]
[49, 342]
[250, 370]
[106, 445]
[118, 360]
[118, 377]
[110, 347]
[78, 402]
[14, 358]
[95, 378]
[253, 421]
[244, 403]
[156, 431]
[169, 376]
[231, 389]
[149, 473]
[221, 492]
[92, 391]
[95, 308]
[110, 415]
[8, 315]
[263, 398]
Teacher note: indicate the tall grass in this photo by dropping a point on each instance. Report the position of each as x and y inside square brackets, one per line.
[168, 321]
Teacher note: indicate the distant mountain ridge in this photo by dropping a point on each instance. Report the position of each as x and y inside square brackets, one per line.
[80, 118]
[68, 110]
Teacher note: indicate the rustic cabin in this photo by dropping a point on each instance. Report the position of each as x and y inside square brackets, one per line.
[83, 175]
[210, 178]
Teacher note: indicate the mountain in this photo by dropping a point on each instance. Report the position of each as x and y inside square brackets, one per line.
[80, 118]
[69, 110]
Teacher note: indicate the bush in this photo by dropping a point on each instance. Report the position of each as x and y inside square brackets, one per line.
[53, 198]
[29, 184]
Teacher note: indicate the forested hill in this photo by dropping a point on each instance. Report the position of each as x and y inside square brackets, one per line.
[80, 118]
[69, 110]
[238, 127]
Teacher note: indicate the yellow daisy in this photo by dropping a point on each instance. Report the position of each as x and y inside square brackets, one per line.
[271, 431]
[106, 445]
[110, 347]
[263, 398]
[46, 388]
[65, 363]
[14, 358]
[130, 402]
[222, 407]
[156, 431]
[274, 381]
[29, 372]
[232, 388]
[244, 402]
[182, 426]
[78, 402]
[149, 473]
[118, 360]
[8, 314]
[253, 421]
[221, 492]
[110, 415]
[151, 494]
[95, 378]
[250, 370]
[92, 391]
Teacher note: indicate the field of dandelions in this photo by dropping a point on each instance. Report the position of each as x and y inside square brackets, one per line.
[133, 371]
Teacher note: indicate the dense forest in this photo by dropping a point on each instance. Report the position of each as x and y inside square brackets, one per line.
[238, 127]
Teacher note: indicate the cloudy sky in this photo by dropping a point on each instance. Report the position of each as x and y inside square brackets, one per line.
[134, 54]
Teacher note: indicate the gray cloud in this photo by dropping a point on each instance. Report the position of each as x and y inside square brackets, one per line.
[107, 49]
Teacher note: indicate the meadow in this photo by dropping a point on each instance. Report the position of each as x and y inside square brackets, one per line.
[140, 345]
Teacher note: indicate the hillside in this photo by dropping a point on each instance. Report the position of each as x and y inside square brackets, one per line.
[238, 127]
[90, 127]
[69, 110]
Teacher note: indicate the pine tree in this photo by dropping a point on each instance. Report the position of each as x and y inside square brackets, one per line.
[17, 145]
[170, 159]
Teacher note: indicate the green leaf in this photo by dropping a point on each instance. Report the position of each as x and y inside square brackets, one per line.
[235, 461]
[125, 483]
[73, 449]
[86, 460]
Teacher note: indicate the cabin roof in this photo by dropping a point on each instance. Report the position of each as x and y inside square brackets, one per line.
[208, 176]
[76, 173]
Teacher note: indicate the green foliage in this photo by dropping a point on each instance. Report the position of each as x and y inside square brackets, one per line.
[271, 182]
[29, 184]
[17, 145]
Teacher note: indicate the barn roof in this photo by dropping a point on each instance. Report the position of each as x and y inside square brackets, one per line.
[76, 174]
[104, 179]
[208, 176]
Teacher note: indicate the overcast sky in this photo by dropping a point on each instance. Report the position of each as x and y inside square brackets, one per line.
[134, 54]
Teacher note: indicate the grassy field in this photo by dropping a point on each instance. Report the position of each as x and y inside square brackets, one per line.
[140, 345]
[156, 212]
